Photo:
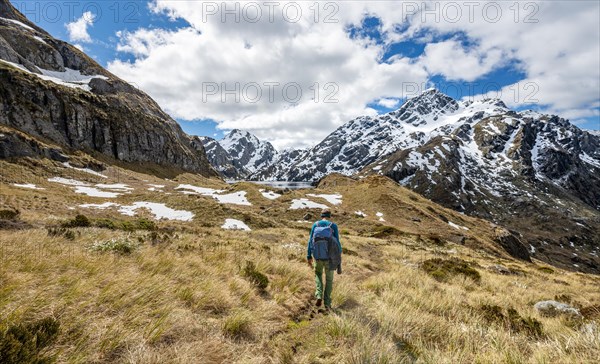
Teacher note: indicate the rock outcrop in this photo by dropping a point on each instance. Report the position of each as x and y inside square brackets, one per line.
[52, 91]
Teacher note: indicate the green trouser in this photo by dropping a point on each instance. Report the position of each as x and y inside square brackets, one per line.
[321, 265]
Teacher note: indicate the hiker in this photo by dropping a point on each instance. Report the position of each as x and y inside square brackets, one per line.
[325, 247]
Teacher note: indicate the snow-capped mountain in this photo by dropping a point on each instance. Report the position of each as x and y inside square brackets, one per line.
[239, 154]
[285, 160]
[366, 139]
[536, 174]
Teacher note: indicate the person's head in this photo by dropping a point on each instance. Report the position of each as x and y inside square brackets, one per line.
[326, 213]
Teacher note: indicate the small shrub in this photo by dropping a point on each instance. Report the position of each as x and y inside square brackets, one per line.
[237, 325]
[9, 214]
[528, 325]
[492, 313]
[61, 231]
[119, 246]
[126, 225]
[260, 280]
[23, 343]
[512, 321]
[145, 224]
[69, 234]
[106, 224]
[442, 270]
[78, 221]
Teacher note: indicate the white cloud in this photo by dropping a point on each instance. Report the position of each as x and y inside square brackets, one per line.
[556, 45]
[78, 30]
[558, 54]
[388, 103]
[173, 66]
[452, 60]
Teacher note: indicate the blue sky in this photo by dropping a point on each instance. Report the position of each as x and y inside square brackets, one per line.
[390, 40]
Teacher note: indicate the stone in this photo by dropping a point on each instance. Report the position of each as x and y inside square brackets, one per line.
[552, 308]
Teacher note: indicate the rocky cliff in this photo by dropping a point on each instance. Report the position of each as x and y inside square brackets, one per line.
[53, 92]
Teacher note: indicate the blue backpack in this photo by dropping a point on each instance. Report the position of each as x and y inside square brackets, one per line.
[322, 237]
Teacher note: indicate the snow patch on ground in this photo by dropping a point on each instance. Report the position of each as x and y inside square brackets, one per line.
[115, 186]
[360, 213]
[95, 192]
[86, 170]
[67, 181]
[155, 187]
[380, 216]
[456, 226]
[159, 210]
[236, 198]
[101, 206]
[233, 224]
[30, 186]
[86, 189]
[335, 199]
[304, 203]
[69, 78]
[18, 23]
[269, 194]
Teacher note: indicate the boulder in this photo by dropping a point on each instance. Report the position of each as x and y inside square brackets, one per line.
[554, 308]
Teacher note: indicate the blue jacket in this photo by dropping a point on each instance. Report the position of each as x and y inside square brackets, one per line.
[336, 235]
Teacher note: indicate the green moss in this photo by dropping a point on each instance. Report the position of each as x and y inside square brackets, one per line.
[442, 270]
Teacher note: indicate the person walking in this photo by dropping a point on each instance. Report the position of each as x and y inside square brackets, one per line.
[325, 247]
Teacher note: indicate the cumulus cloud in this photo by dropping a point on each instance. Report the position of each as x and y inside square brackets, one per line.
[295, 81]
[456, 63]
[196, 72]
[556, 44]
[388, 103]
[78, 30]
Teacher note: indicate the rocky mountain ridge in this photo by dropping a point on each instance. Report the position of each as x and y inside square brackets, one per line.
[55, 93]
[239, 154]
[536, 174]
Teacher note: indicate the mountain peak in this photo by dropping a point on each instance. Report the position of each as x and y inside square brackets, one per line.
[426, 107]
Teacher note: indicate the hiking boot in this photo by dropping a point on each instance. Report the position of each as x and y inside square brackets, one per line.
[319, 301]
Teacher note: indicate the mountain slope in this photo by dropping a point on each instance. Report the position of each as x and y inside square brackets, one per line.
[54, 92]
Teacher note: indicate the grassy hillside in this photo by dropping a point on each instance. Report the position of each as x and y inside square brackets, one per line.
[423, 286]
